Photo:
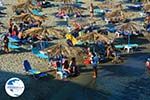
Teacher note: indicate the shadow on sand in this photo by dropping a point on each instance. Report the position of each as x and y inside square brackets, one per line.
[49, 89]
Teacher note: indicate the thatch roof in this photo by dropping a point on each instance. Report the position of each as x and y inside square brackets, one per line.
[64, 1]
[45, 32]
[71, 9]
[82, 22]
[93, 37]
[63, 48]
[26, 17]
[130, 27]
[110, 5]
[147, 7]
[25, 6]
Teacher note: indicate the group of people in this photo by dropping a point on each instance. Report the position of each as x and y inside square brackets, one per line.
[65, 68]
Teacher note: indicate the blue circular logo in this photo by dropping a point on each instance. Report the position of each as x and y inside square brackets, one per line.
[14, 87]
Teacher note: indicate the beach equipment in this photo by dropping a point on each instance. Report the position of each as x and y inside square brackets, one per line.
[38, 47]
[116, 16]
[93, 37]
[72, 38]
[25, 6]
[107, 5]
[129, 29]
[71, 9]
[63, 49]
[27, 17]
[136, 7]
[146, 7]
[39, 54]
[64, 1]
[45, 32]
[99, 12]
[37, 12]
[29, 70]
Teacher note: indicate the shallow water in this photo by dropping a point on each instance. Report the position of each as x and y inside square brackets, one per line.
[130, 81]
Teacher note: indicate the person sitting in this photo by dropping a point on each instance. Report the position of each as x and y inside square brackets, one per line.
[73, 67]
[77, 14]
[15, 31]
[61, 14]
[6, 41]
[66, 68]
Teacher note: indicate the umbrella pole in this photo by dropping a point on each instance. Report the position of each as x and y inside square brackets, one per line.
[128, 39]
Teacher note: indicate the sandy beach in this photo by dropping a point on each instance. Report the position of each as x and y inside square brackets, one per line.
[84, 86]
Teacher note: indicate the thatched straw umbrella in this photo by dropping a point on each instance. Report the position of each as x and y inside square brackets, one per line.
[71, 9]
[118, 15]
[64, 1]
[45, 32]
[93, 37]
[130, 27]
[110, 5]
[25, 6]
[27, 17]
[146, 7]
[64, 49]
[82, 22]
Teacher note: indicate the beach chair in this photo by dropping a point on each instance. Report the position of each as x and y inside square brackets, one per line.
[28, 69]
[37, 53]
[99, 12]
[37, 13]
[13, 39]
[130, 47]
[12, 46]
[119, 46]
[136, 7]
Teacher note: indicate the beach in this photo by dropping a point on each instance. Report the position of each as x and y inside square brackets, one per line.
[114, 82]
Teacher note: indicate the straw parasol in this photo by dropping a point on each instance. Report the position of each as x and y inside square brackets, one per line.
[82, 22]
[146, 7]
[64, 49]
[93, 37]
[110, 5]
[45, 32]
[71, 9]
[64, 1]
[27, 6]
[130, 27]
[26, 17]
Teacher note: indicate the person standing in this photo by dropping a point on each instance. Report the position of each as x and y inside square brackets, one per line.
[94, 62]
[91, 10]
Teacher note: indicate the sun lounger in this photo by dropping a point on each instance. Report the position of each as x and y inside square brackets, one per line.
[135, 7]
[13, 39]
[99, 12]
[119, 46]
[37, 53]
[36, 74]
[12, 46]
[37, 13]
[132, 45]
